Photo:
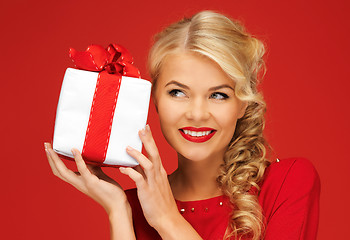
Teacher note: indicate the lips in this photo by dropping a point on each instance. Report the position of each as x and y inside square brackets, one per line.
[197, 135]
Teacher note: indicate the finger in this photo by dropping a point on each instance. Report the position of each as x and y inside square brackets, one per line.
[84, 171]
[65, 174]
[97, 171]
[134, 175]
[93, 168]
[54, 169]
[103, 176]
[147, 165]
[150, 145]
[139, 169]
[52, 165]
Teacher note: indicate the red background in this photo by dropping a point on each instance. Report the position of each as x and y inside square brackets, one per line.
[306, 89]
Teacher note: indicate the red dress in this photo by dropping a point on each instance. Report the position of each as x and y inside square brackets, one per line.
[289, 198]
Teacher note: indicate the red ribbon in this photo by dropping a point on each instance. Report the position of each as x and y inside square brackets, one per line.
[112, 63]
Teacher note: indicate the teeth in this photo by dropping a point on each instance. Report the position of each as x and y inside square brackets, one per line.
[196, 134]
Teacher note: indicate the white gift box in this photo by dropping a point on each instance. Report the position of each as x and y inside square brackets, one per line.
[73, 112]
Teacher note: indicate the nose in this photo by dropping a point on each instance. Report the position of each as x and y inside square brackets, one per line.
[198, 110]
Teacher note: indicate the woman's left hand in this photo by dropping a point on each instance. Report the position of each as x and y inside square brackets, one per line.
[153, 189]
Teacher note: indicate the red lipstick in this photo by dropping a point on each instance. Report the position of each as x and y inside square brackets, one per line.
[198, 139]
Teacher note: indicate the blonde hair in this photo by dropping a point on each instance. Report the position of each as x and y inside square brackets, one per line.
[240, 56]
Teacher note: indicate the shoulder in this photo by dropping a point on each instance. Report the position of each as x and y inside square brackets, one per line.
[291, 181]
[299, 171]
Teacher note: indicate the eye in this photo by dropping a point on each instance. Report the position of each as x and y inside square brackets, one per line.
[176, 93]
[219, 96]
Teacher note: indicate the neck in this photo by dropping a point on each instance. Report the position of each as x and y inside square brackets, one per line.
[196, 180]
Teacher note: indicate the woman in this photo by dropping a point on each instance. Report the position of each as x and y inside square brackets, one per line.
[205, 72]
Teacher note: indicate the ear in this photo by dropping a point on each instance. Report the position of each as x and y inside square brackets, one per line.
[154, 101]
[243, 109]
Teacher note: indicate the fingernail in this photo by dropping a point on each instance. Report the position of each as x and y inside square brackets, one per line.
[73, 152]
[148, 128]
[143, 132]
[45, 145]
[128, 148]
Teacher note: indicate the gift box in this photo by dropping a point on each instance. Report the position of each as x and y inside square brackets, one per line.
[102, 106]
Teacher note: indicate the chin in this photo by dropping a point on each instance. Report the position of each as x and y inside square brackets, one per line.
[193, 156]
[198, 154]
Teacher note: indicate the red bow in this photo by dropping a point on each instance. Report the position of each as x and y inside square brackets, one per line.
[115, 59]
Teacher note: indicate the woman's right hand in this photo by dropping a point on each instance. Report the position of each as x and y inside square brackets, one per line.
[90, 180]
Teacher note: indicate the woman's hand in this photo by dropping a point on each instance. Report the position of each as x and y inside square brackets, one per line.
[153, 189]
[154, 192]
[90, 180]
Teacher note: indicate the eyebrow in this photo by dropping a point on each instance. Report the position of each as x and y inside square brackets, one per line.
[210, 89]
[178, 84]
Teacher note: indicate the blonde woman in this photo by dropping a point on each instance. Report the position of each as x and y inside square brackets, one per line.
[205, 72]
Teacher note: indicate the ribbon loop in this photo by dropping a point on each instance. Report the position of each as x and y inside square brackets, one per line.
[115, 59]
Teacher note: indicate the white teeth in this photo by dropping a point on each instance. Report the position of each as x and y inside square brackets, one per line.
[196, 134]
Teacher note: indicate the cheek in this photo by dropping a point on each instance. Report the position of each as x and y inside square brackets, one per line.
[168, 113]
[169, 117]
[227, 117]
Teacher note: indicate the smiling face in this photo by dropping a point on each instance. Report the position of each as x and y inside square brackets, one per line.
[197, 107]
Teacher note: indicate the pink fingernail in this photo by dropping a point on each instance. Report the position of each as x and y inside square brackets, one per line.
[129, 148]
[73, 152]
[143, 132]
[148, 128]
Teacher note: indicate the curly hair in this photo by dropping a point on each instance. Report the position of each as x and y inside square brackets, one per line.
[240, 56]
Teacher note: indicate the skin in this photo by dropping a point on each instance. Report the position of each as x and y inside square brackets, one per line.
[190, 101]
[196, 104]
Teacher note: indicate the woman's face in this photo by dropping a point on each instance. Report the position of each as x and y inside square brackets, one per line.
[197, 107]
